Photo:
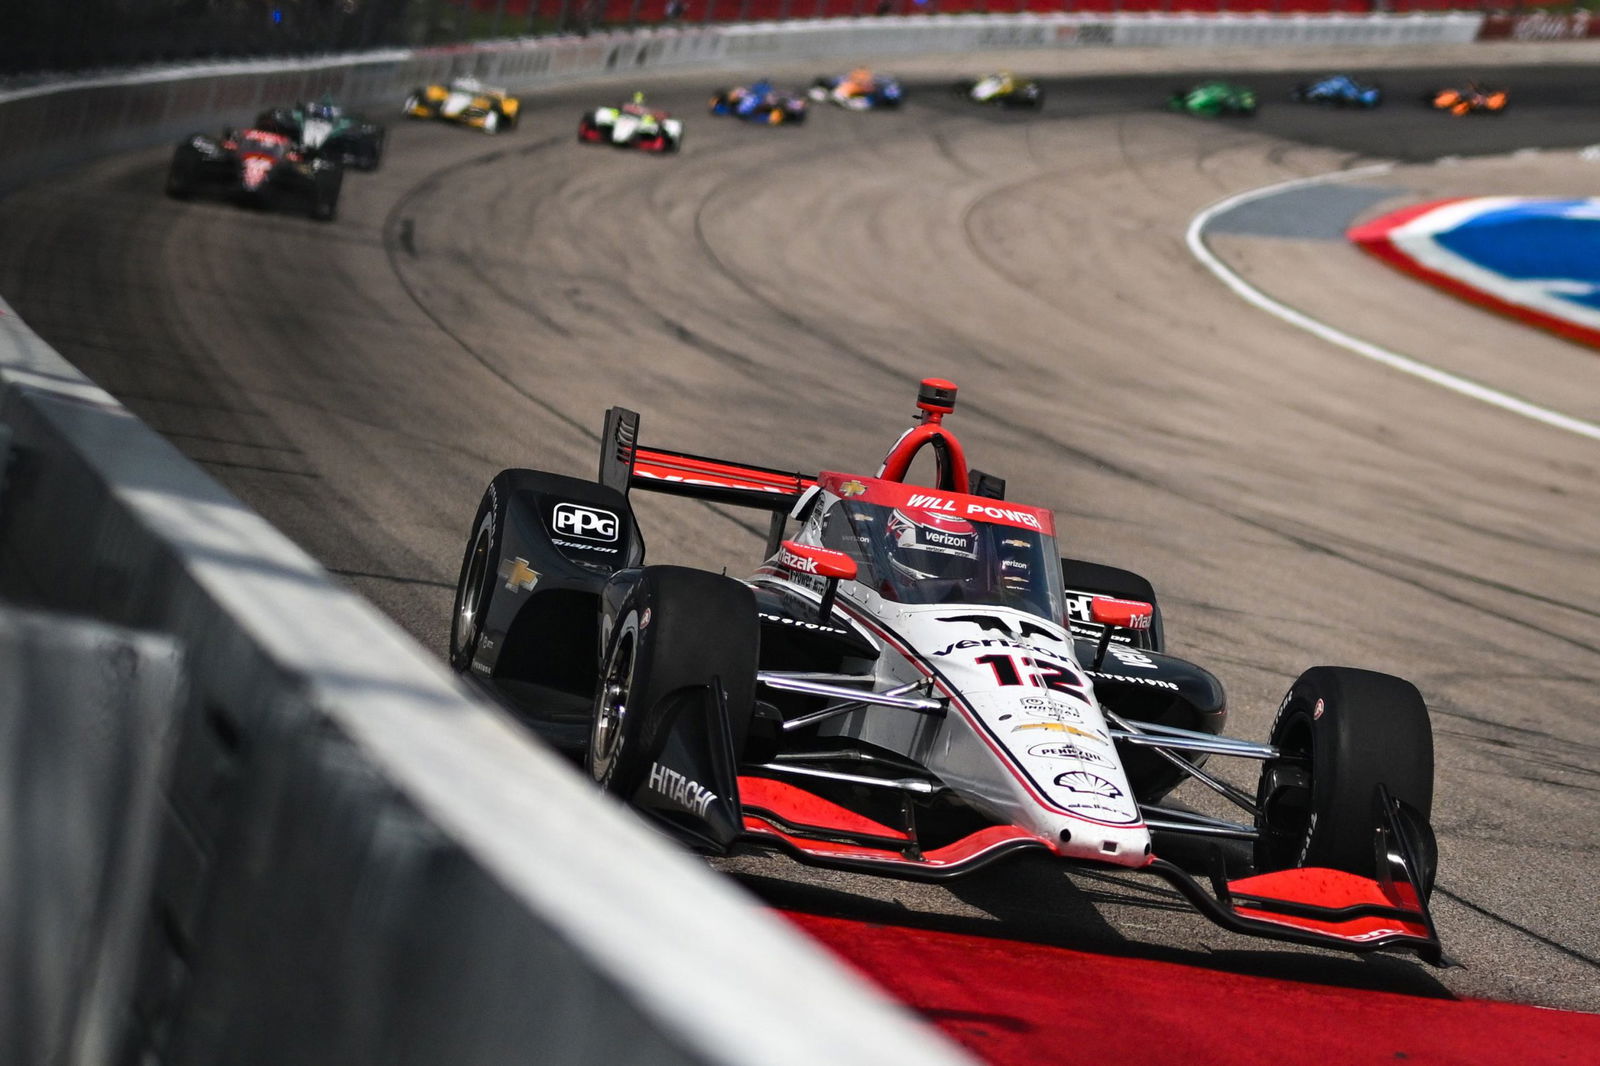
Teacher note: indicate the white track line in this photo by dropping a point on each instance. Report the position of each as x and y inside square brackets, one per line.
[1404, 364]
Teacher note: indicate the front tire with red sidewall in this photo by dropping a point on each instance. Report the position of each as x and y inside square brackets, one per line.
[1341, 733]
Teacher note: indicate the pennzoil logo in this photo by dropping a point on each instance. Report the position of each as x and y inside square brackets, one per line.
[1063, 750]
[852, 488]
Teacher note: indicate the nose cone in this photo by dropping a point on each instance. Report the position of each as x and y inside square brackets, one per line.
[1031, 741]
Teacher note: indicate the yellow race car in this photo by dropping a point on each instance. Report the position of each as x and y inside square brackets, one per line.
[465, 101]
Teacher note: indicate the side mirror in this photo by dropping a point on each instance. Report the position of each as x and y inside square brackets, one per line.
[826, 563]
[1124, 614]
[1117, 614]
[818, 562]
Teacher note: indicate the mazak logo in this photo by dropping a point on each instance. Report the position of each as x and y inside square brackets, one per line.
[798, 563]
[588, 523]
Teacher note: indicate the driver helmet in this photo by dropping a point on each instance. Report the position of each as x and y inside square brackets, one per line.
[925, 545]
[320, 109]
[638, 98]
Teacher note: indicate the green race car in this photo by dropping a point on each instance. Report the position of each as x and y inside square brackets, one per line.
[325, 130]
[1214, 98]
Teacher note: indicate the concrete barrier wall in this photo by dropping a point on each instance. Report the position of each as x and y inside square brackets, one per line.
[88, 714]
[353, 861]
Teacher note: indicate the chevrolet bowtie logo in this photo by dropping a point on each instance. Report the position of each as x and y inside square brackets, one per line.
[518, 575]
[852, 488]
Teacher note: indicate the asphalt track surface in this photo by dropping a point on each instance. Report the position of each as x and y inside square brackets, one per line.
[774, 295]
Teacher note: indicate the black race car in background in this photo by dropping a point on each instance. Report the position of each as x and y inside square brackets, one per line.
[914, 683]
[256, 166]
[324, 129]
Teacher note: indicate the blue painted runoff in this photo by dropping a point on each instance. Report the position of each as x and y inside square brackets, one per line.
[1555, 241]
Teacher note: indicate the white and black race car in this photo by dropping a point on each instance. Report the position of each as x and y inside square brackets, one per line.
[914, 683]
[632, 125]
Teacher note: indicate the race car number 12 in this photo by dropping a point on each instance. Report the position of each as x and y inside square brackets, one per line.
[1042, 675]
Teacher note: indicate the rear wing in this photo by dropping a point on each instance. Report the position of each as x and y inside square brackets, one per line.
[625, 464]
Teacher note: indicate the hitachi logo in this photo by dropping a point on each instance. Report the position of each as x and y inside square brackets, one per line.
[690, 795]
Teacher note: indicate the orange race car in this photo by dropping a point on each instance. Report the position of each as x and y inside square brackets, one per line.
[1463, 101]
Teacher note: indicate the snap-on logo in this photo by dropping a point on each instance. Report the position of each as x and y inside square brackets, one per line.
[590, 523]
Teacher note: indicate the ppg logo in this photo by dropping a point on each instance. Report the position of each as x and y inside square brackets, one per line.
[590, 523]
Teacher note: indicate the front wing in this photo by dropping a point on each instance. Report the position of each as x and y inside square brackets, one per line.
[1309, 905]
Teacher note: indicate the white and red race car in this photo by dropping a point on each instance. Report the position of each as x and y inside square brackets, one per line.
[914, 683]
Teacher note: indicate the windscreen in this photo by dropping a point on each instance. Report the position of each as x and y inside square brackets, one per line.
[913, 555]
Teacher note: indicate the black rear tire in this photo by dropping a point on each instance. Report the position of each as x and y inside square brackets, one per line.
[678, 628]
[1341, 733]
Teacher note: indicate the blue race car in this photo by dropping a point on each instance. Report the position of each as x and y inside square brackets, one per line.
[1340, 90]
[762, 102]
